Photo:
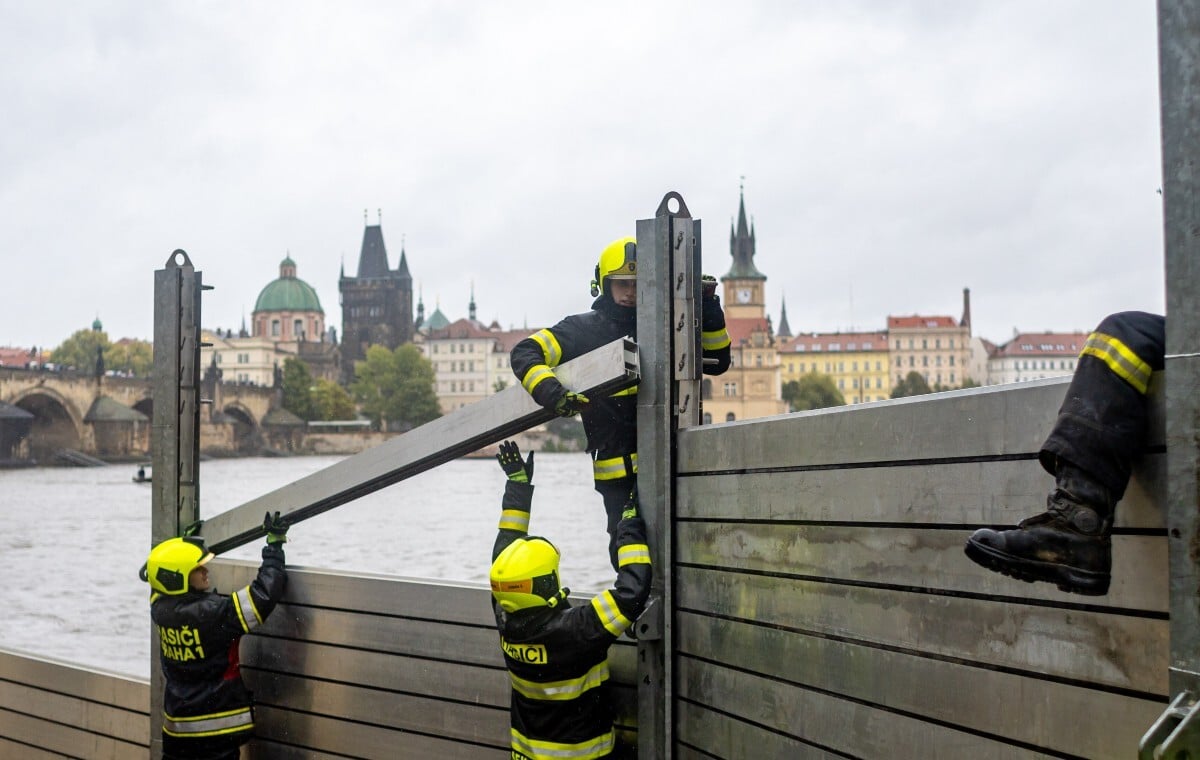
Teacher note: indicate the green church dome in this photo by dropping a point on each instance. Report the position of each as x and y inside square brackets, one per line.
[288, 293]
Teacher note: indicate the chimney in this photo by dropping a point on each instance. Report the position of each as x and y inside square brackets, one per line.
[966, 317]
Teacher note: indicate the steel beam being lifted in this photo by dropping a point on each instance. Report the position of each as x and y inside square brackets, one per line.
[607, 369]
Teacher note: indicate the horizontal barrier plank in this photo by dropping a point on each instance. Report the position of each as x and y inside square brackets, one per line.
[66, 739]
[861, 731]
[986, 422]
[285, 735]
[974, 493]
[25, 751]
[909, 557]
[450, 720]
[1115, 650]
[62, 708]
[1034, 711]
[115, 689]
[703, 734]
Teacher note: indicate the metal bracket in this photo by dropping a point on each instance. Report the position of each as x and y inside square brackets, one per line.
[1176, 733]
[649, 627]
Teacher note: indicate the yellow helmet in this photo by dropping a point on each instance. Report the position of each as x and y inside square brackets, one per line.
[618, 261]
[525, 575]
[171, 562]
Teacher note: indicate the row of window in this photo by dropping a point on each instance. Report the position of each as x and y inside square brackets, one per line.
[816, 347]
[937, 343]
[1063, 364]
[829, 367]
[936, 379]
[464, 386]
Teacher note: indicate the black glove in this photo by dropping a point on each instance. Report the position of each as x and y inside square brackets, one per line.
[708, 286]
[570, 403]
[276, 528]
[193, 529]
[517, 470]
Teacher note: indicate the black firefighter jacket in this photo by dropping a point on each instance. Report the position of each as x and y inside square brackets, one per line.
[206, 707]
[610, 422]
[558, 657]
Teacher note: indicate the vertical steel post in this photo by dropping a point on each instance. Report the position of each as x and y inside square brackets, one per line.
[668, 396]
[174, 441]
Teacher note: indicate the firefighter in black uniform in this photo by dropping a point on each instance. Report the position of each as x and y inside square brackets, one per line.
[1100, 428]
[206, 707]
[610, 423]
[557, 655]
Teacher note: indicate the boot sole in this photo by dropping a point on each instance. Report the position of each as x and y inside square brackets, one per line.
[1070, 579]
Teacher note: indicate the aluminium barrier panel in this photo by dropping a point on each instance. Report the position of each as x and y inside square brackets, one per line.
[824, 607]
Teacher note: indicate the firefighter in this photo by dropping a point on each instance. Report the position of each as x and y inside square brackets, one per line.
[206, 707]
[557, 655]
[1100, 428]
[610, 423]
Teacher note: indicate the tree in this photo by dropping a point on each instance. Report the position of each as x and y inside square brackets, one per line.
[297, 389]
[135, 357]
[395, 388]
[331, 401]
[79, 350]
[812, 391]
[912, 385]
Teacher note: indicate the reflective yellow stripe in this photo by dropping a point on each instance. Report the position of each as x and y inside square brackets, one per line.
[514, 519]
[633, 554]
[627, 392]
[1120, 359]
[209, 725]
[610, 615]
[538, 749]
[550, 348]
[611, 469]
[559, 691]
[536, 374]
[246, 611]
[714, 339]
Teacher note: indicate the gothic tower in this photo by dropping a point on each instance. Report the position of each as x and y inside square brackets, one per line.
[377, 303]
[744, 284]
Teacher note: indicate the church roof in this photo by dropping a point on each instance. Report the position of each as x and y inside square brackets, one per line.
[741, 247]
[288, 293]
[437, 320]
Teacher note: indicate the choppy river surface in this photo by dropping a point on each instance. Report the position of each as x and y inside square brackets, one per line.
[72, 540]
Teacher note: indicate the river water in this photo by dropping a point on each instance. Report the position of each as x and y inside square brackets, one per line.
[72, 541]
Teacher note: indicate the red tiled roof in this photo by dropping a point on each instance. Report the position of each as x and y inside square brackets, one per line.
[822, 342]
[741, 328]
[918, 321]
[15, 357]
[1043, 344]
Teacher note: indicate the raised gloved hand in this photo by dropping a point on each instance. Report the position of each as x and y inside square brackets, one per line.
[570, 403]
[517, 470]
[630, 510]
[708, 286]
[276, 528]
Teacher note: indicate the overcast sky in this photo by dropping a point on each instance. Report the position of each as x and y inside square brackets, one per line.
[893, 153]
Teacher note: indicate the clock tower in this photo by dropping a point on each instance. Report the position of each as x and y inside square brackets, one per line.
[744, 284]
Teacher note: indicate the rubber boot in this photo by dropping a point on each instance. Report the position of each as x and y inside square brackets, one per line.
[1068, 545]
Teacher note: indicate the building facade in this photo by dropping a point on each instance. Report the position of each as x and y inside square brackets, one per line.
[377, 303]
[857, 362]
[1033, 356]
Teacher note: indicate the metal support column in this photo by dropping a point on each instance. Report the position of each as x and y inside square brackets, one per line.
[668, 398]
[175, 441]
[1177, 733]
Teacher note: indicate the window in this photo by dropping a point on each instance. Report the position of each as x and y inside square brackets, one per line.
[952, 343]
[453, 386]
[841, 366]
[451, 348]
[274, 328]
[951, 360]
[758, 360]
[937, 342]
[730, 389]
[707, 418]
[841, 383]
[706, 390]
[854, 366]
[938, 360]
[297, 328]
[729, 417]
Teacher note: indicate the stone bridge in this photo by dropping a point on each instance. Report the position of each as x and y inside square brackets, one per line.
[110, 417]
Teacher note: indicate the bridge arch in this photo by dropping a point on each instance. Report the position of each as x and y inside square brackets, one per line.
[146, 407]
[57, 424]
[247, 436]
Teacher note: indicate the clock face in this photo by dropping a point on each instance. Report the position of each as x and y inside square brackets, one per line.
[743, 295]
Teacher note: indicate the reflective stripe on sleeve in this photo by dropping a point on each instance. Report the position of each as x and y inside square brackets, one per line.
[558, 691]
[633, 554]
[611, 469]
[246, 611]
[631, 391]
[601, 746]
[713, 340]
[514, 519]
[210, 725]
[1120, 359]
[550, 347]
[535, 375]
[610, 615]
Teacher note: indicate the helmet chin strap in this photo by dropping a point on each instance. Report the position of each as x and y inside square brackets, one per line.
[554, 600]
